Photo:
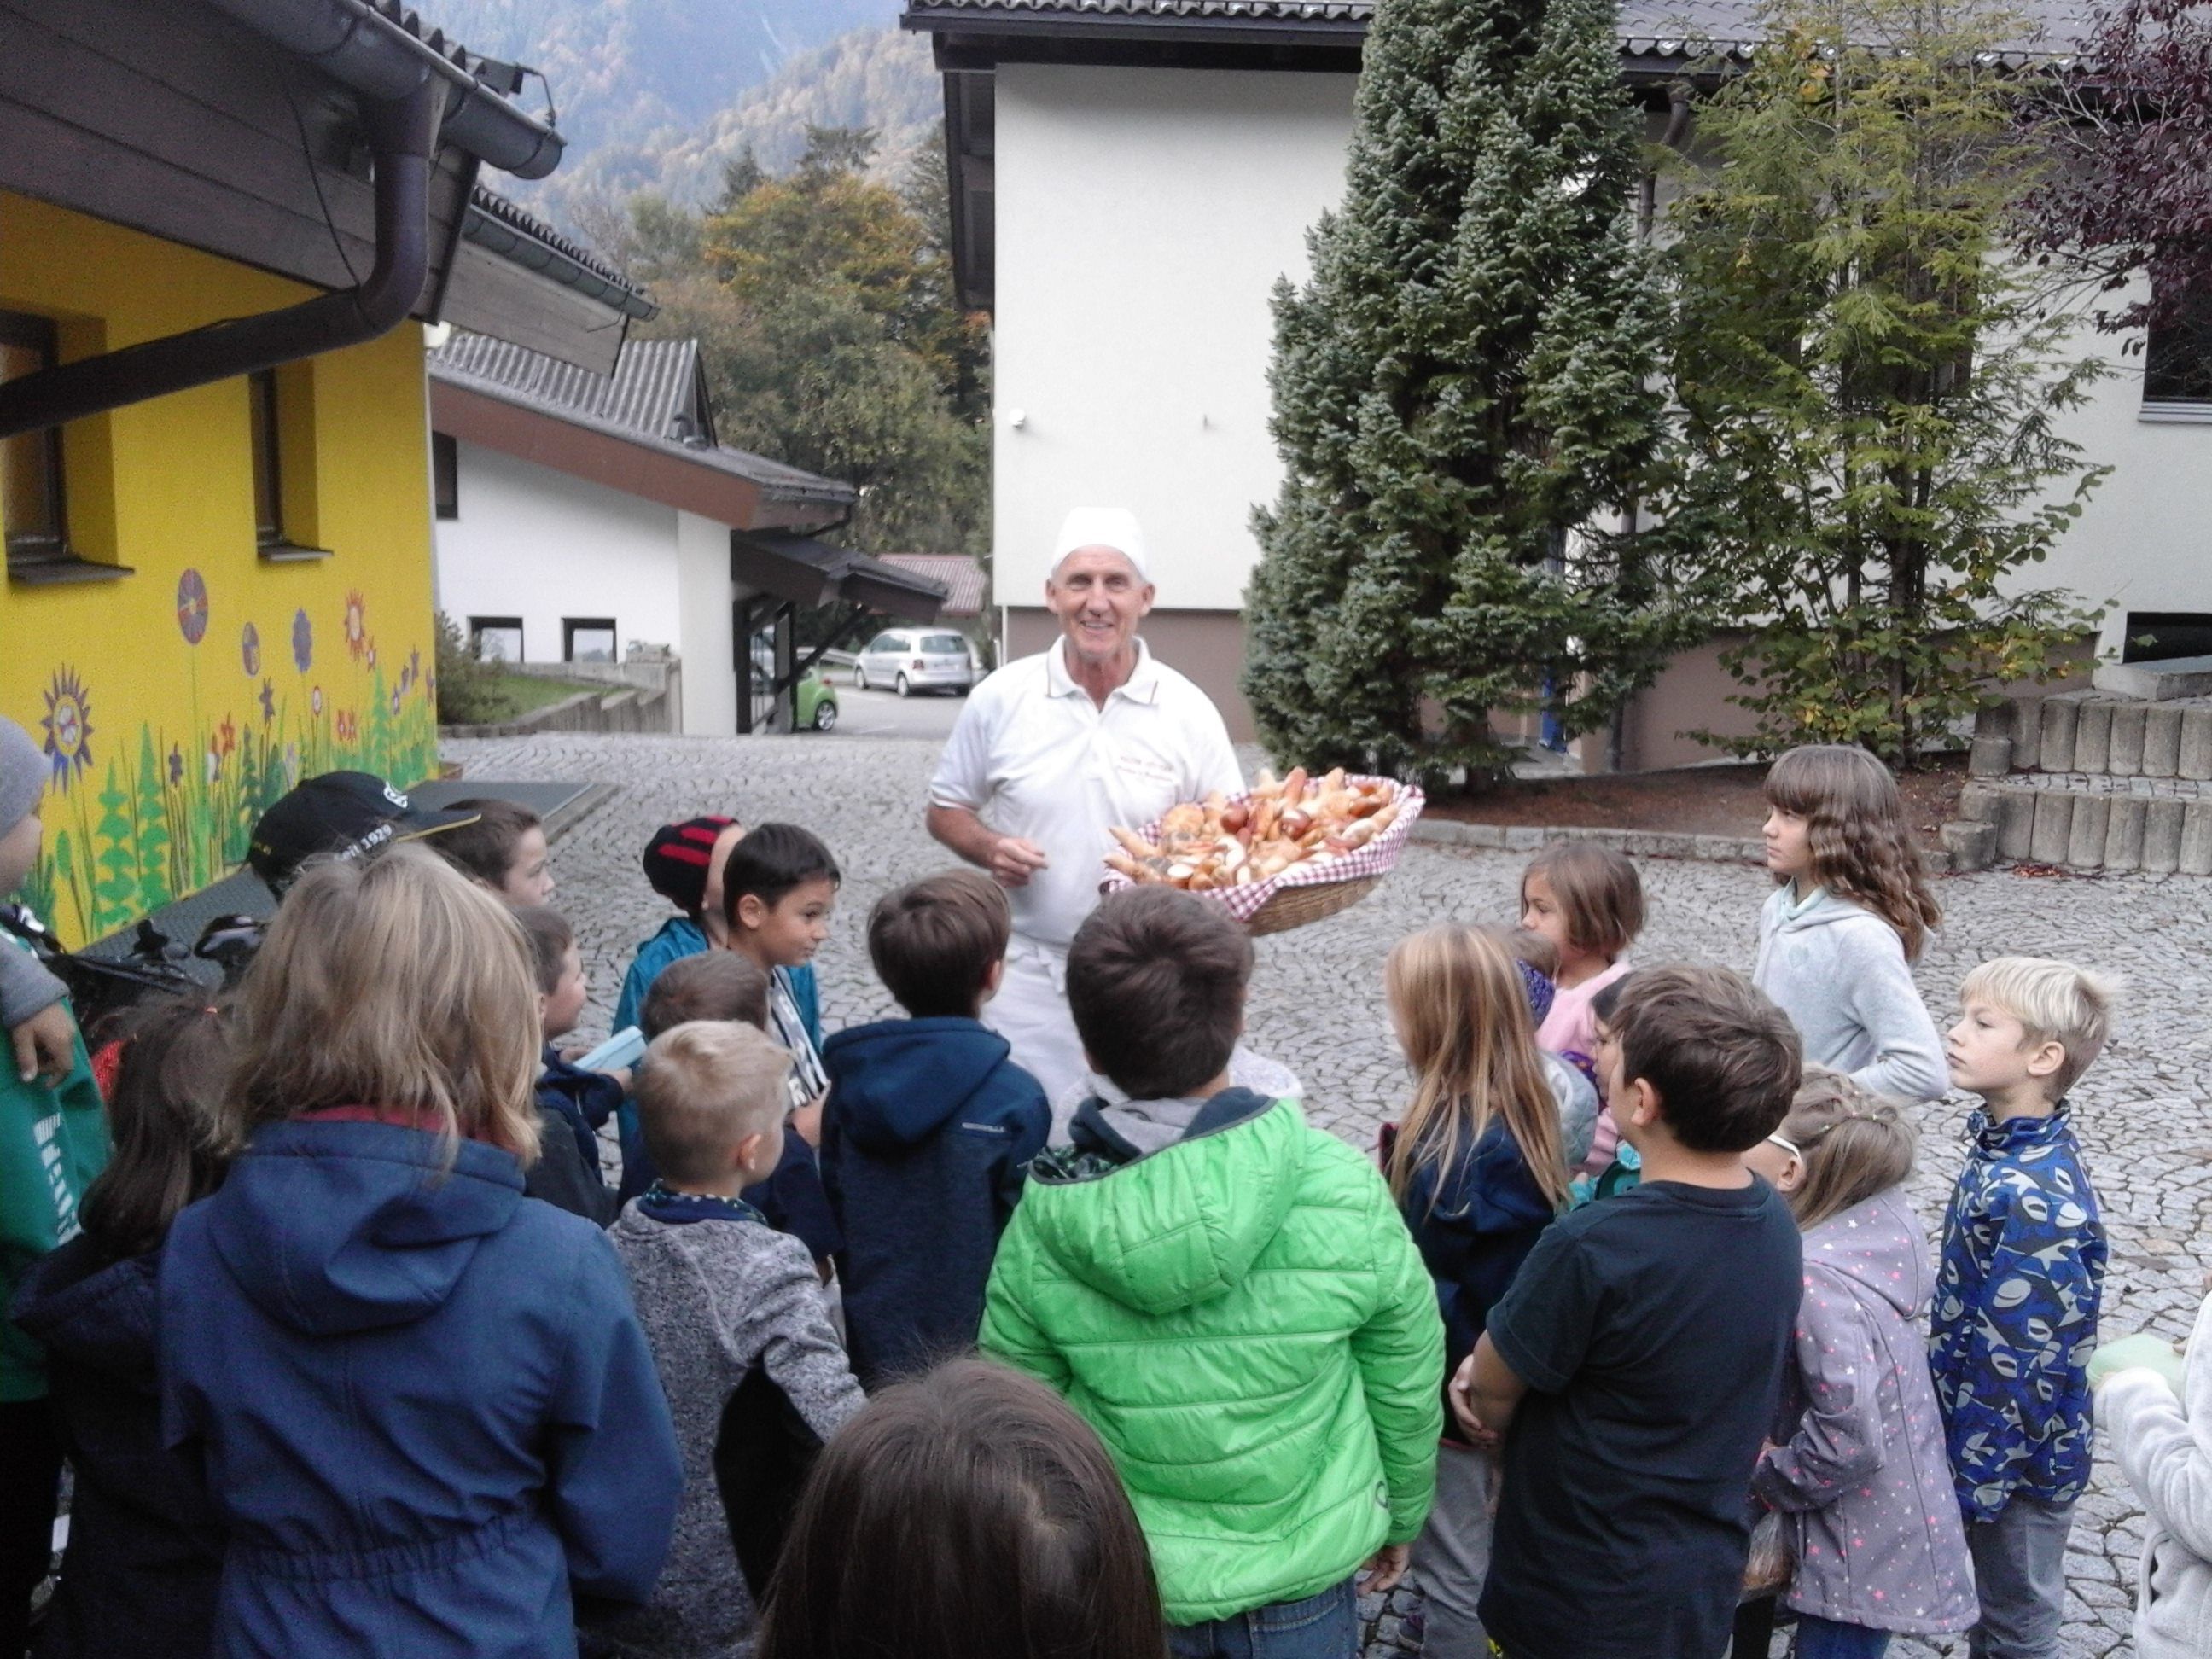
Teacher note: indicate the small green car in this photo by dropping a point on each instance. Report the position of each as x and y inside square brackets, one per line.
[816, 704]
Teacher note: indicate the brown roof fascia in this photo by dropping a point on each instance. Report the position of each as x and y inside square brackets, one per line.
[603, 458]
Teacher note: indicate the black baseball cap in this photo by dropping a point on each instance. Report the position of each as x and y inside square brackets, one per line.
[346, 815]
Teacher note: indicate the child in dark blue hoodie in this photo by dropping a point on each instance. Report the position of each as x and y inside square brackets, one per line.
[573, 1105]
[928, 1128]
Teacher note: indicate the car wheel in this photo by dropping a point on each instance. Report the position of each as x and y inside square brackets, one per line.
[859, 678]
[825, 715]
[904, 689]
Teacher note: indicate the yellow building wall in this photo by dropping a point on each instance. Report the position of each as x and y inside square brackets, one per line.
[176, 702]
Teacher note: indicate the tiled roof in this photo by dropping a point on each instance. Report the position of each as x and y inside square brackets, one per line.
[656, 395]
[960, 575]
[1662, 29]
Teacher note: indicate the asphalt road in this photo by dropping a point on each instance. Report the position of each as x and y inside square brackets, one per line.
[886, 714]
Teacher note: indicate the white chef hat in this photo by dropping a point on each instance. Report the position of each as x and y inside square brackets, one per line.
[1102, 527]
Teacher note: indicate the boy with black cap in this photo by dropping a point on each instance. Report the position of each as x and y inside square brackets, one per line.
[347, 815]
[53, 1140]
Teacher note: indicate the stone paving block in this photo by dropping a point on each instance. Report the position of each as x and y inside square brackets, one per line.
[2162, 837]
[2015, 822]
[2123, 836]
[2124, 758]
[2092, 737]
[2026, 731]
[2196, 839]
[1971, 842]
[2055, 749]
[1993, 720]
[2195, 754]
[1978, 801]
[2161, 740]
[1989, 758]
[2085, 835]
[2054, 825]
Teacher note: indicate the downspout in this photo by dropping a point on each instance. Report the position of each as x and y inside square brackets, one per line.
[1647, 219]
[402, 136]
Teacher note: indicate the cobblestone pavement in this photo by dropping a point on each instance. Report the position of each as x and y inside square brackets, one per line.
[1316, 1001]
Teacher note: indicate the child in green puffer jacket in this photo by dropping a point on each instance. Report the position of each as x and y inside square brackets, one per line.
[1229, 1296]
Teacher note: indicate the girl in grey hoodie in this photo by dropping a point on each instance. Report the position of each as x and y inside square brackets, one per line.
[1838, 939]
[1859, 1470]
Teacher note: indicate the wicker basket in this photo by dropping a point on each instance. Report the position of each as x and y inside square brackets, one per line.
[1294, 906]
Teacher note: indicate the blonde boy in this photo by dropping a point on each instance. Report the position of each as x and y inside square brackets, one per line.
[2021, 1271]
[738, 1325]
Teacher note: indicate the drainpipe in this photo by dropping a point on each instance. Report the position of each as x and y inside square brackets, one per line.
[1647, 216]
[402, 136]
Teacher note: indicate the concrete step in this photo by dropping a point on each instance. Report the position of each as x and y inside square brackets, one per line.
[2084, 821]
[2095, 733]
[2156, 682]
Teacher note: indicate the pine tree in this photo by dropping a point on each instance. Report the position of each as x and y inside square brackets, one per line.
[1870, 391]
[1467, 405]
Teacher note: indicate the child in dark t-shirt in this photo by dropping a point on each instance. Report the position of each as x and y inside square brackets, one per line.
[1633, 1368]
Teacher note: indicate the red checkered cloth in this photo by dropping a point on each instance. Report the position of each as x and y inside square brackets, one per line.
[1375, 858]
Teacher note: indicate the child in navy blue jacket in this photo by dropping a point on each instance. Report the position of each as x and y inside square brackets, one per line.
[573, 1105]
[1479, 1169]
[928, 1128]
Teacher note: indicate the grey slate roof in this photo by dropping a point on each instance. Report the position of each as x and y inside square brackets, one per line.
[961, 577]
[516, 234]
[657, 395]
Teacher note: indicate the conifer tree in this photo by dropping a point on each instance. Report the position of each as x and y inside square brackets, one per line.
[1466, 402]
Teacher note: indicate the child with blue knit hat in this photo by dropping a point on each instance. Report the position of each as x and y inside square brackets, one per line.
[53, 1140]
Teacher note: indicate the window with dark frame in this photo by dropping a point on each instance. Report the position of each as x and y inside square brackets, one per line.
[588, 639]
[445, 475]
[33, 504]
[496, 639]
[2177, 357]
[268, 478]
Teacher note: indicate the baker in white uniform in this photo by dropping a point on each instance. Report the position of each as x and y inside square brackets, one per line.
[1054, 749]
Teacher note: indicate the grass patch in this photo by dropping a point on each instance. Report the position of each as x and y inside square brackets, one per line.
[523, 694]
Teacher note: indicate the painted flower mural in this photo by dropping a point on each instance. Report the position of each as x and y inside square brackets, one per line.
[176, 766]
[268, 703]
[315, 701]
[356, 625]
[226, 737]
[67, 723]
[192, 606]
[303, 640]
[249, 650]
[349, 725]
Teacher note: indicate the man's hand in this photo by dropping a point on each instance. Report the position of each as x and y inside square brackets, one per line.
[1013, 860]
[1386, 1569]
[45, 1044]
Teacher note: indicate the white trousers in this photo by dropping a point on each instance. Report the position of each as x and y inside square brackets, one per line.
[1030, 1011]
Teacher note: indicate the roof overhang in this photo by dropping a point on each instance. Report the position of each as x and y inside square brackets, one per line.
[662, 472]
[812, 573]
[182, 121]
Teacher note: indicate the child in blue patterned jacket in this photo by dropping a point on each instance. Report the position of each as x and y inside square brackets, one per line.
[2015, 1311]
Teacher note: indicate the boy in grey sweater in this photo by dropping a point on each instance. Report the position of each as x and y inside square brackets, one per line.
[754, 1374]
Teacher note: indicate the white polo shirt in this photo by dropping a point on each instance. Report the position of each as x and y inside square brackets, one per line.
[1034, 756]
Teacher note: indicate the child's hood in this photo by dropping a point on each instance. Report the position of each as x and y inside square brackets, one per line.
[898, 1081]
[1181, 1225]
[1823, 909]
[101, 1318]
[1880, 1246]
[336, 1227]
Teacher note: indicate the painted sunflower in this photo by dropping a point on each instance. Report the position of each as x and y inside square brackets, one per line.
[357, 625]
[67, 723]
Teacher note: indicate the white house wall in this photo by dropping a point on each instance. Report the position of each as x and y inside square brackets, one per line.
[533, 543]
[1143, 215]
[705, 594]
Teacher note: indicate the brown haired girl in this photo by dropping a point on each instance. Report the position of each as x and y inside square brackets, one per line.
[967, 1512]
[1861, 1473]
[144, 1546]
[1478, 1172]
[424, 1407]
[1851, 912]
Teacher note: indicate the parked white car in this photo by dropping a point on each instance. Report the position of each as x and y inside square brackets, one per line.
[911, 659]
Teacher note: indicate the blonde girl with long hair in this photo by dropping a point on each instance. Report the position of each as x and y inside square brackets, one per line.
[1478, 1170]
[1851, 912]
[424, 1405]
[1859, 1470]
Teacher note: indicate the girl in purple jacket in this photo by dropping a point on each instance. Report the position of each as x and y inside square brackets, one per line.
[1861, 1475]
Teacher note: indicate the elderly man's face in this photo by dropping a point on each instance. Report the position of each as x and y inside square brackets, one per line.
[1099, 598]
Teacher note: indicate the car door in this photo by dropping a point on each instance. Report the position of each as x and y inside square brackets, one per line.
[878, 658]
